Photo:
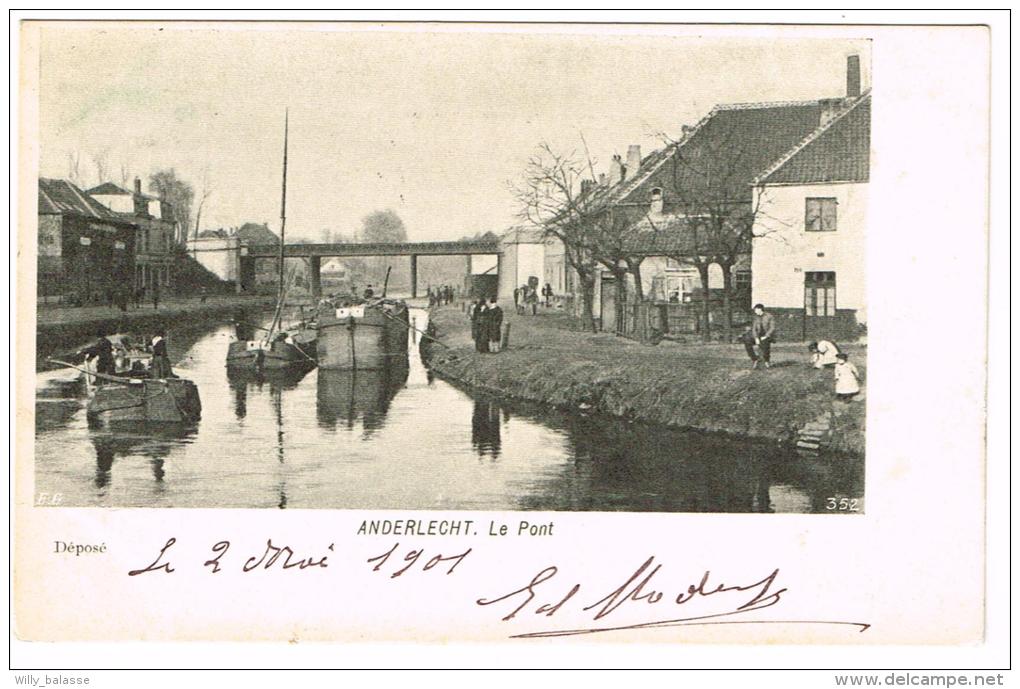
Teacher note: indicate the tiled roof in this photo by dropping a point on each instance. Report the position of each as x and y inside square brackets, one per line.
[523, 235]
[722, 153]
[660, 236]
[111, 189]
[839, 151]
[58, 196]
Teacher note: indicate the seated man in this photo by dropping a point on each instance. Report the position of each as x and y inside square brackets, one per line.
[823, 353]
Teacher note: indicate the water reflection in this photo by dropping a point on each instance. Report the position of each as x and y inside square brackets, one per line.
[240, 380]
[402, 439]
[631, 466]
[128, 440]
[485, 427]
[344, 397]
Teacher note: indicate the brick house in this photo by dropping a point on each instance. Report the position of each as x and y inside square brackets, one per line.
[154, 237]
[86, 251]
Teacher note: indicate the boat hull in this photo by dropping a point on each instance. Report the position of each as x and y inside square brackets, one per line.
[253, 354]
[169, 400]
[365, 338]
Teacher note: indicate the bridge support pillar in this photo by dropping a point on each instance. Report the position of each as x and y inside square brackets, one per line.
[246, 276]
[499, 274]
[414, 275]
[315, 276]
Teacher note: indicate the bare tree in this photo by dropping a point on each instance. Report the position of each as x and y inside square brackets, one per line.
[102, 165]
[74, 171]
[551, 197]
[202, 198]
[712, 200]
[125, 173]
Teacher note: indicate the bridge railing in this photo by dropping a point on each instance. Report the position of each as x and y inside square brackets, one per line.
[374, 249]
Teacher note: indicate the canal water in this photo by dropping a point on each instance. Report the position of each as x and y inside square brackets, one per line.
[405, 440]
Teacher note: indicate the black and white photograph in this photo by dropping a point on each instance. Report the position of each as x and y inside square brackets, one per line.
[446, 276]
[601, 340]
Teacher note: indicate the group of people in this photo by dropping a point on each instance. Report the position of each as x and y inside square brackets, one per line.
[440, 296]
[526, 296]
[759, 335]
[486, 325]
[121, 298]
[108, 358]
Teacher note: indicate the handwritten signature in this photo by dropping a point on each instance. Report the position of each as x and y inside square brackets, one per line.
[735, 600]
[707, 602]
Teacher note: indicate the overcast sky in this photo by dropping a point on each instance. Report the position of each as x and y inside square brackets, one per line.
[432, 125]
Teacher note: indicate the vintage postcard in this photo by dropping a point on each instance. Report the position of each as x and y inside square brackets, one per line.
[499, 332]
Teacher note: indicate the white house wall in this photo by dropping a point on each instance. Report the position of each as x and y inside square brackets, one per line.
[120, 203]
[786, 251]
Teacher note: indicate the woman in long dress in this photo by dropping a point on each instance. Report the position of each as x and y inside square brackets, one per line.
[160, 367]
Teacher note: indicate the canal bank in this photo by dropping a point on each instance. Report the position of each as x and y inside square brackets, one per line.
[61, 329]
[705, 387]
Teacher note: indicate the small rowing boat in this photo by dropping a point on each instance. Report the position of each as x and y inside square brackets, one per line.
[139, 398]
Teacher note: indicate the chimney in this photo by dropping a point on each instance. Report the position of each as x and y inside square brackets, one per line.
[586, 186]
[633, 161]
[602, 179]
[138, 186]
[830, 107]
[656, 205]
[615, 170]
[853, 76]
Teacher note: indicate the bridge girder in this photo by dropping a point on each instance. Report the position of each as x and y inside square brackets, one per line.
[376, 249]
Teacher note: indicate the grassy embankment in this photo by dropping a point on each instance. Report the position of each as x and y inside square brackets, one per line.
[709, 387]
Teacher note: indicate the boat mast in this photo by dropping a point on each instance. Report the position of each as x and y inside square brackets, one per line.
[283, 229]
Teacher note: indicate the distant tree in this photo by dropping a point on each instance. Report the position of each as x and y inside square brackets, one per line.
[125, 173]
[102, 164]
[74, 171]
[178, 193]
[383, 227]
[203, 197]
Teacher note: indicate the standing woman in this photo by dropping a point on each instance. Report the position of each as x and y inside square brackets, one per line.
[160, 366]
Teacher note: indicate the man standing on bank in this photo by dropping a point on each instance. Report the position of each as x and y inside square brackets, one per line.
[763, 327]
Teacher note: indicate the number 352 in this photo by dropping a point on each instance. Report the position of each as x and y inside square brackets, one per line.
[843, 504]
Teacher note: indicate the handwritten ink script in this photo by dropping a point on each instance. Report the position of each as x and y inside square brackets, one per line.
[648, 593]
[538, 597]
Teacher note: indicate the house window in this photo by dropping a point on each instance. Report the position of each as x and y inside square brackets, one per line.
[742, 280]
[820, 293]
[820, 215]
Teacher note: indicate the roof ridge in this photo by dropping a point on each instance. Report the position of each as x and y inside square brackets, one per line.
[767, 104]
[644, 173]
[785, 158]
[110, 184]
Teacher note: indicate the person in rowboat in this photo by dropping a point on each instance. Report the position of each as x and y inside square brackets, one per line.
[160, 366]
[102, 354]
